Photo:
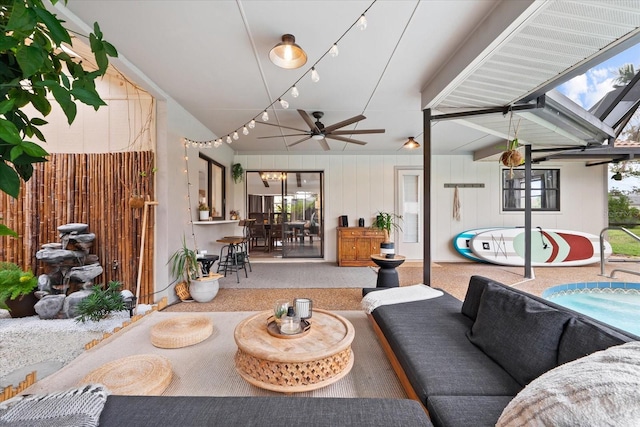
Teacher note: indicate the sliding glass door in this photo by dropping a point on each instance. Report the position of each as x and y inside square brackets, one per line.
[288, 209]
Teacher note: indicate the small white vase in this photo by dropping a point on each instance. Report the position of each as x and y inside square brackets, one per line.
[204, 289]
[204, 215]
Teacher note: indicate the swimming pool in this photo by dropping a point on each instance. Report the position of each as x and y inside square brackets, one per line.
[615, 303]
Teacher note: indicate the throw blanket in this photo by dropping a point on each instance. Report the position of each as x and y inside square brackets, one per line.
[601, 389]
[375, 299]
[79, 407]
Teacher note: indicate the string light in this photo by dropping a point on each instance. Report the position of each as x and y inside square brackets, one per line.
[315, 77]
[361, 23]
[334, 51]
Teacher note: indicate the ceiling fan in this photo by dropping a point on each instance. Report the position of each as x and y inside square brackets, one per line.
[320, 132]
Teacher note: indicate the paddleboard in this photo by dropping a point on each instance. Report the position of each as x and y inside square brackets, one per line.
[462, 242]
[548, 247]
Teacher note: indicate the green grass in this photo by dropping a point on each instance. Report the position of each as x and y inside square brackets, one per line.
[623, 244]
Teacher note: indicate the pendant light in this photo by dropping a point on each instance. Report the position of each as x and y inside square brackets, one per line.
[287, 54]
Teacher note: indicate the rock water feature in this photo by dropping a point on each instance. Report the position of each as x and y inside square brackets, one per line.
[71, 271]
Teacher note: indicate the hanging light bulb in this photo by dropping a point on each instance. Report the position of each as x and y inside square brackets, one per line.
[265, 116]
[362, 23]
[245, 131]
[315, 77]
[252, 124]
[284, 103]
[228, 139]
[217, 143]
[294, 91]
[334, 51]
[235, 136]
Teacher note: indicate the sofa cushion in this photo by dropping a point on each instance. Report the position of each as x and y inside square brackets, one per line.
[581, 338]
[518, 332]
[596, 390]
[474, 293]
[154, 411]
[476, 411]
[428, 339]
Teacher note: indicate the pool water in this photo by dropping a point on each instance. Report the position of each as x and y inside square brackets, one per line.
[617, 304]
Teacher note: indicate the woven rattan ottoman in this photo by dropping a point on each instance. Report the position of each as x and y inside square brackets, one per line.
[140, 374]
[316, 359]
[181, 331]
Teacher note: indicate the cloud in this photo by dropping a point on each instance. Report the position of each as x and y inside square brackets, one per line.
[587, 89]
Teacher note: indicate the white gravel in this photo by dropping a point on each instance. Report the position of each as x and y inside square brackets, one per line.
[30, 340]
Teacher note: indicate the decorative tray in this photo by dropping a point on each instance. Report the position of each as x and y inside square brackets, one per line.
[272, 328]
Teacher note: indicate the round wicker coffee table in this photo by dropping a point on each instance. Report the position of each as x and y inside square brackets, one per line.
[316, 359]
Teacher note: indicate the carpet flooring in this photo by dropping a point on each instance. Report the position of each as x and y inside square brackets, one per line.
[208, 369]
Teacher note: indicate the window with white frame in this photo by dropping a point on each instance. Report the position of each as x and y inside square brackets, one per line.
[545, 189]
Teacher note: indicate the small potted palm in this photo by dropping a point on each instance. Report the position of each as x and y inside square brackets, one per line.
[184, 266]
[17, 290]
[387, 221]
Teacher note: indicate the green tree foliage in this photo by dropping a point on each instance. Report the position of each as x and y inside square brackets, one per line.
[625, 74]
[620, 210]
[33, 66]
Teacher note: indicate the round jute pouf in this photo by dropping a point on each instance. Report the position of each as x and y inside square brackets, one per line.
[140, 374]
[181, 331]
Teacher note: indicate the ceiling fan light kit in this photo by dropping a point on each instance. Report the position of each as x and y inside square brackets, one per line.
[411, 143]
[287, 54]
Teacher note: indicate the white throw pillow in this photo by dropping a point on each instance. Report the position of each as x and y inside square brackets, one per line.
[602, 389]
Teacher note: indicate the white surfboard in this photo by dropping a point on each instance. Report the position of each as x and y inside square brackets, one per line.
[548, 247]
[462, 242]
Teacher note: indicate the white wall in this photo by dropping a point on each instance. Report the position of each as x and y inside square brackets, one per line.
[361, 185]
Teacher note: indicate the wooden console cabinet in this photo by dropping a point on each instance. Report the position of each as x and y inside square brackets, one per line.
[356, 244]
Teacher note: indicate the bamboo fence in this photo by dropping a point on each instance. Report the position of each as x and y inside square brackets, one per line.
[93, 189]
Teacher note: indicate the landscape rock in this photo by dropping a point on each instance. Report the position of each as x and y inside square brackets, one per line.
[71, 302]
[49, 306]
[85, 273]
[73, 227]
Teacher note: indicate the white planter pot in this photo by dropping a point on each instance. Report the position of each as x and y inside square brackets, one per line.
[204, 215]
[204, 289]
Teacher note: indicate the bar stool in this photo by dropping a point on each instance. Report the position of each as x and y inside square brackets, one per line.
[246, 239]
[232, 257]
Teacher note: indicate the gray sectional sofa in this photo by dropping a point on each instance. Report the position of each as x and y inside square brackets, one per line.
[142, 411]
[465, 361]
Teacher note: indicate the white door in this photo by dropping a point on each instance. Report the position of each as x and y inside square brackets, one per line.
[409, 205]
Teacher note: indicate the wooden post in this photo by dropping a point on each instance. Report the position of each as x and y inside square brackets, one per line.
[145, 212]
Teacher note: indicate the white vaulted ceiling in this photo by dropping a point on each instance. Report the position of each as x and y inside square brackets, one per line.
[212, 58]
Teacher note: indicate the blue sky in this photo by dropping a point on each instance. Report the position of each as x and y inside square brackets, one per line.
[587, 89]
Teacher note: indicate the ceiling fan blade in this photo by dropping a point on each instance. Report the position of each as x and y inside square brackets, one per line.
[355, 132]
[299, 141]
[324, 144]
[309, 121]
[342, 138]
[343, 123]
[281, 126]
[280, 136]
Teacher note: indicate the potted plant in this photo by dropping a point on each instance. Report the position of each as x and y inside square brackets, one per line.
[17, 290]
[233, 214]
[184, 266]
[386, 221]
[101, 302]
[237, 172]
[203, 209]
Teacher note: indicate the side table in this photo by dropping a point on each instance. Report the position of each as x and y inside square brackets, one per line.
[387, 274]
